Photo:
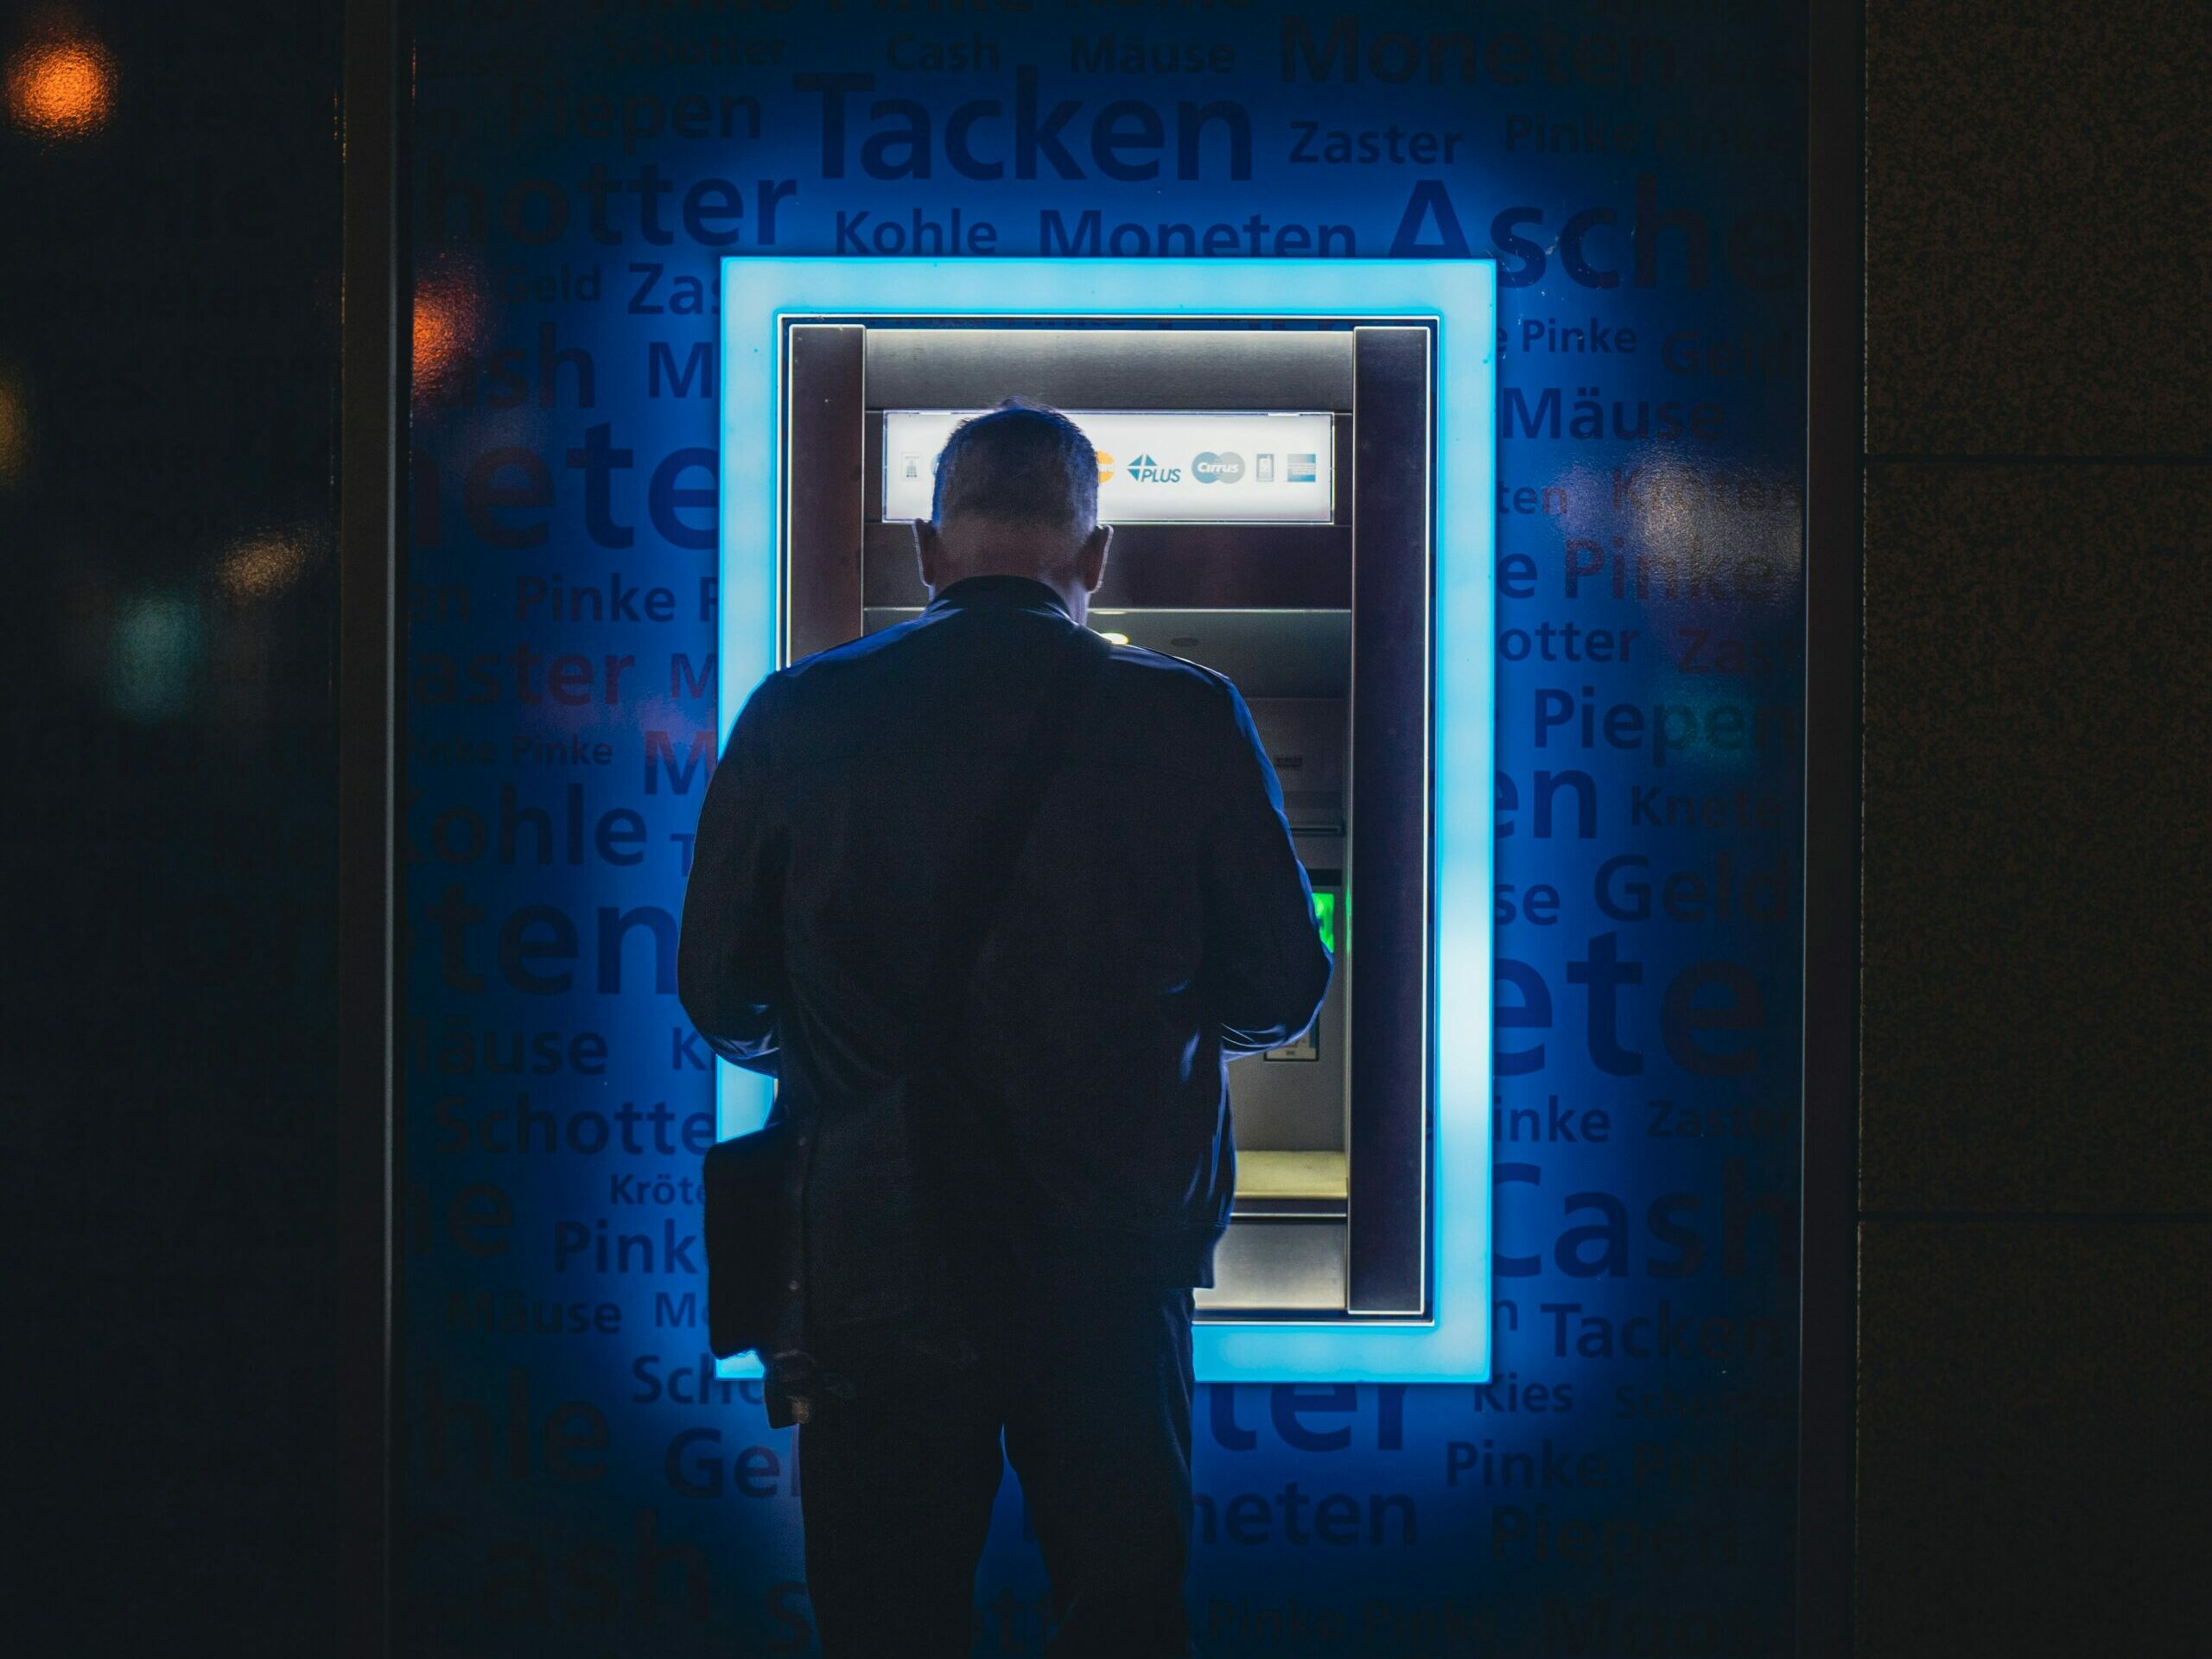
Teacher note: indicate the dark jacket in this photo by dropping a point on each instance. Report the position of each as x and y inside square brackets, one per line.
[1157, 922]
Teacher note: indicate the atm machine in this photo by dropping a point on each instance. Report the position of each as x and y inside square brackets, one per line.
[1297, 459]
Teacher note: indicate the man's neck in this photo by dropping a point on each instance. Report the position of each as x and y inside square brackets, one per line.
[1070, 591]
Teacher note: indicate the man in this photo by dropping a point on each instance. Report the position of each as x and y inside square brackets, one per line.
[1153, 922]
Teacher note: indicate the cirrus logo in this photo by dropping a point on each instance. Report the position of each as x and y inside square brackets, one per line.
[1145, 470]
[1210, 468]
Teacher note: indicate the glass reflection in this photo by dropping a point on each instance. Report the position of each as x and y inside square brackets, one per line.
[15, 432]
[262, 565]
[153, 654]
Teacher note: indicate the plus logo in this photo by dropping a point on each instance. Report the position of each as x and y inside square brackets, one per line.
[1145, 470]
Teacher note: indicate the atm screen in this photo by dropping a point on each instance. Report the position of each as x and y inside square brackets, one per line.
[1155, 467]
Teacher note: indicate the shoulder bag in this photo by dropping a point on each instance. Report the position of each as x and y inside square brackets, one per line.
[820, 1224]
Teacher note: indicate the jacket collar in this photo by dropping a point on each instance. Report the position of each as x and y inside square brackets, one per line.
[1000, 593]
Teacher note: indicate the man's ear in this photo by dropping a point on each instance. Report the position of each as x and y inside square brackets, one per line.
[1090, 559]
[929, 548]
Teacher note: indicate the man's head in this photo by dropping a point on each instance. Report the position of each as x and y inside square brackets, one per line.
[1017, 495]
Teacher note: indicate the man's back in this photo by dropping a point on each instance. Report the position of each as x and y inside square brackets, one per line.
[1153, 919]
[1156, 917]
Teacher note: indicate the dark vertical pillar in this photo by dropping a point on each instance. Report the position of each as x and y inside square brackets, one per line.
[2035, 1224]
[1827, 1217]
[826, 428]
[1386, 923]
[373, 377]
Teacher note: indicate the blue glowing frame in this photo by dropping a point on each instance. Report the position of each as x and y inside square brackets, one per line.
[1461, 296]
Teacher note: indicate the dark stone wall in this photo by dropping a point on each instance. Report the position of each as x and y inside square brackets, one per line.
[169, 382]
[2035, 1161]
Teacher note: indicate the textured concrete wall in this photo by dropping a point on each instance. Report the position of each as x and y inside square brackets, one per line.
[2036, 1246]
[168, 430]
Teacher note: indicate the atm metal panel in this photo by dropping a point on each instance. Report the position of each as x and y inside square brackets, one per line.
[1278, 1267]
[1142, 367]
[827, 423]
[1387, 912]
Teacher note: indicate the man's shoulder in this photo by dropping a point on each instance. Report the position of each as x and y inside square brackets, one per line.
[805, 709]
[1184, 712]
[1178, 679]
[828, 664]
[840, 669]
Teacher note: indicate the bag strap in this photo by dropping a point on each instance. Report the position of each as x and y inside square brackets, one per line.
[989, 859]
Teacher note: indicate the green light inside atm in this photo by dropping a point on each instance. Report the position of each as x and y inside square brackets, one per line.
[1324, 917]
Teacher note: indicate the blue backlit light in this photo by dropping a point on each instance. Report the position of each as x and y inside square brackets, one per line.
[1461, 296]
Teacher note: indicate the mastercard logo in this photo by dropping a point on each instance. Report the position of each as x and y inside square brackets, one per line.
[1105, 466]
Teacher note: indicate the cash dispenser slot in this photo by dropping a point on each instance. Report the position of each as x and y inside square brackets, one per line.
[1324, 626]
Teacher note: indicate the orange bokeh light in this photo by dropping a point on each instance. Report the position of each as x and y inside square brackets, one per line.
[437, 337]
[15, 433]
[448, 321]
[60, 89]
[262, 565]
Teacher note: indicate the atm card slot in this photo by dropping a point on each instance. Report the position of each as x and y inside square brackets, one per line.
[1315, 812]
[1271, 1183]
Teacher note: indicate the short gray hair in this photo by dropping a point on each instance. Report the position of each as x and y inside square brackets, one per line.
[1023, 463]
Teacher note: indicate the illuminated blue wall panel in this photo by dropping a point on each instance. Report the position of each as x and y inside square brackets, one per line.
[574, 1479]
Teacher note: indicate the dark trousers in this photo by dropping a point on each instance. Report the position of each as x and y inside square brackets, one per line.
[1090, 1385]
